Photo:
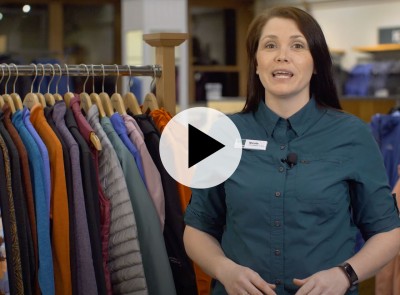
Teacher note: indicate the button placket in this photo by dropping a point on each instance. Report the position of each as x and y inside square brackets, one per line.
[281, 140]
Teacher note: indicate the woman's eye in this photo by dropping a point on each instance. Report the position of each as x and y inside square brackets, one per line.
[270, 45]
[298, 45]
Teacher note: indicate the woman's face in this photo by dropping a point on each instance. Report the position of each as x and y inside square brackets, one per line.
[284, 61]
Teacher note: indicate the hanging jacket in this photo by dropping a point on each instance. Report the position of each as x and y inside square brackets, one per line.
[125, 260]
[91, 199]
[10, 225]
[28, 192]
[23, 227]
[59, 203]
[155, 260]
[48, 112]
[181, 265]
[151, 173]
[386, 130]
[21, 121]
[86, 282]
[104, 204]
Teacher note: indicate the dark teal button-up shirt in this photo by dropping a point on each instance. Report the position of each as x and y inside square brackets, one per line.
[291, 222]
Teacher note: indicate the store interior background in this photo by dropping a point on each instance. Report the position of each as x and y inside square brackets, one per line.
[110, 32]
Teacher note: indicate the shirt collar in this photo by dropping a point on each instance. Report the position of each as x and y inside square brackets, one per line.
[300, 122]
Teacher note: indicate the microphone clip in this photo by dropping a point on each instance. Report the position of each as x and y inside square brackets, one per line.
[291, 160]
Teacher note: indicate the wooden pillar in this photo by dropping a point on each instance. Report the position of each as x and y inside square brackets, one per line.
[117, 32]
[244, 17]
[165, 44]
[56, 29]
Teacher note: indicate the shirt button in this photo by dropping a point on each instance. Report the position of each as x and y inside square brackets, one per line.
[278, 282]
[281, 169]
[277, 223]
[277, 194]
[277, 252]
[282, 146]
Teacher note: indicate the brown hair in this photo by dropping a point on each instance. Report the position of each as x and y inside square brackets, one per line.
[322, 86]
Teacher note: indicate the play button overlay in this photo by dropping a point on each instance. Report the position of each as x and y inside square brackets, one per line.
[201, 145]
[197, 147]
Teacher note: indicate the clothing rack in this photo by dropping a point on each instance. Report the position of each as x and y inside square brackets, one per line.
[163, 70]
[79, 70]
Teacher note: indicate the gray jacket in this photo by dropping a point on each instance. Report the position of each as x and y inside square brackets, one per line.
[125, 259]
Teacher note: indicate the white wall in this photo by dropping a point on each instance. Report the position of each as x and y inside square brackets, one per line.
[347, 24]
[155, 16]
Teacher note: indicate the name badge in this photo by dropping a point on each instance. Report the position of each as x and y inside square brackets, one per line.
[251, 144]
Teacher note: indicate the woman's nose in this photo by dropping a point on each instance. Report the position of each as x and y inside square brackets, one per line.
[281, 56]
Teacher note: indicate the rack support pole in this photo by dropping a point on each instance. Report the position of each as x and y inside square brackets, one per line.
[165, 44]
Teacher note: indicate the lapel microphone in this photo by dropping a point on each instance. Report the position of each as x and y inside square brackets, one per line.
[291, 160]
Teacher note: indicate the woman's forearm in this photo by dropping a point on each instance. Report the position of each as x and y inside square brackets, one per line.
[206, 251]
[375, 254]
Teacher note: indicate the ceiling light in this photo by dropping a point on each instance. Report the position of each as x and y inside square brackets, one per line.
[26, 8]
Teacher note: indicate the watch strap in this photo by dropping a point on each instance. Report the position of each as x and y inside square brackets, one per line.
[350, 273]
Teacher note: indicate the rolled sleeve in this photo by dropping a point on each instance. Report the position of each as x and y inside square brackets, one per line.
[374, 209]
[207, 210]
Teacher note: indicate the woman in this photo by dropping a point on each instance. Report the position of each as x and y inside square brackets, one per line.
[285, 222]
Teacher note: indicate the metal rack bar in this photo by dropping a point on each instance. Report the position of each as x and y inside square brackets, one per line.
[80, 70]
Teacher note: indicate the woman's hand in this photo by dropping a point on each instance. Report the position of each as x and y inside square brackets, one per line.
[240, 280]
[328, 282]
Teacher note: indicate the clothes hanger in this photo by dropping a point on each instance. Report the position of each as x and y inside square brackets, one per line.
[68, 95]
[39, 94]
[6, 97]
[150, 102]
[50, 101]
[116, 99]
[93, 137]
[15, 96]
[105, 98]
[2, 77]
[86, 103]
[130, 99]
[31, 98]
[57, 96]
[95, 99]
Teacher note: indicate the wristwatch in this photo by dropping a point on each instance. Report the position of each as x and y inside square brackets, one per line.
[350, 273]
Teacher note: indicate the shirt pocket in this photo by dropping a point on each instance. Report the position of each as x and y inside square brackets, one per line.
[320, 179]
[248, 153]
